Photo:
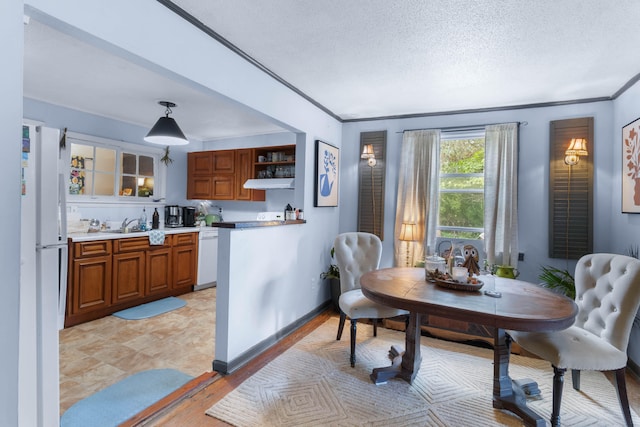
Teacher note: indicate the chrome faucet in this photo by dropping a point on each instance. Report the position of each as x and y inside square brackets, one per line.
[125, 224]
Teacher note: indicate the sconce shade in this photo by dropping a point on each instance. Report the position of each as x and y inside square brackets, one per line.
[408, 232]
[367, 152]
[166, 131]
[577, 147]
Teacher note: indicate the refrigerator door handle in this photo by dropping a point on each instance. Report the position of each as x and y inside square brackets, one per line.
[62, 285]
[62, 207]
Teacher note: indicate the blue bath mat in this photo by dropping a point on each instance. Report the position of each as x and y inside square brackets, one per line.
[119, 402]
[150, 309]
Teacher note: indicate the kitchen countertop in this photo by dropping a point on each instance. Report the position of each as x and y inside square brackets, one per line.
[107, 235]
[255, 224]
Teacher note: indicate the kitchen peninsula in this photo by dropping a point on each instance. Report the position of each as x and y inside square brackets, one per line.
[254, 224]
[257, 284]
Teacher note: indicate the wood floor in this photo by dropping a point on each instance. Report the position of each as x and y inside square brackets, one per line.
[187, 406]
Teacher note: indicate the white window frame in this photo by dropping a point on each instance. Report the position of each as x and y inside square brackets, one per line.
[448, 136]
[160, 169]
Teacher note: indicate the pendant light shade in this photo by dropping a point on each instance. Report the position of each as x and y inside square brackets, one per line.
[166, 131]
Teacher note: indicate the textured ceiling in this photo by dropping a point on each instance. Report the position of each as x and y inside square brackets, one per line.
[368, 58]
[361, 59]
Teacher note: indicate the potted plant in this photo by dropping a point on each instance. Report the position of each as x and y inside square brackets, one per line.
[333, 276]
[558, 280]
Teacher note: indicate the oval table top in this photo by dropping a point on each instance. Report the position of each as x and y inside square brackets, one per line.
[523, 306]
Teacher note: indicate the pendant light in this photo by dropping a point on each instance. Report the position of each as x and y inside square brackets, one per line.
[166, 131]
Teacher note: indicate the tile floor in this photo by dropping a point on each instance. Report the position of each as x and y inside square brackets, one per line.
[96, 354]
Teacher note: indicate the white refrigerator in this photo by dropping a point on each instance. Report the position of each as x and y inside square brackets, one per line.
[43, 294]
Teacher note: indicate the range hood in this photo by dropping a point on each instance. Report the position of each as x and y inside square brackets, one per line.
[269, 183]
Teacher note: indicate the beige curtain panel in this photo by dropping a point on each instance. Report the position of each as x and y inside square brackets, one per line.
[418, 183]
[501, 194]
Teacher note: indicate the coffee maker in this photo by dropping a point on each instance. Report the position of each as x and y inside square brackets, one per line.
[172, 216]
[189, 216]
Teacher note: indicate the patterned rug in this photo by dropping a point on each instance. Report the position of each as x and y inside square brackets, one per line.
[312, 384]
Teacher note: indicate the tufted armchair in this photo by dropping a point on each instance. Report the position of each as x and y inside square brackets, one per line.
[608, 297]
[356, 254]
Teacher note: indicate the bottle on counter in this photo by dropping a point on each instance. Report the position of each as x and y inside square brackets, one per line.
[155, 220]
[142, 221]
[287, 212]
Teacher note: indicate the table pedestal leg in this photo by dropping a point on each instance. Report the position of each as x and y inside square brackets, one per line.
[505, 395]
[405, 364]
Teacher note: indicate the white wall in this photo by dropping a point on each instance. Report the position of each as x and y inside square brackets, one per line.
[533, 174]
[10, 190]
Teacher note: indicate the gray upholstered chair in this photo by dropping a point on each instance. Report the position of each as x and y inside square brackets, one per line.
[356, 254]
[608, 297]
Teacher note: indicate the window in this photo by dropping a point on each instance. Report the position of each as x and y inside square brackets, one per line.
[108, 170]
[461, 213]
[136, 178]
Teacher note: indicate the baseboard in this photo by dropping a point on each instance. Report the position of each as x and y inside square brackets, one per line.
[228, 367]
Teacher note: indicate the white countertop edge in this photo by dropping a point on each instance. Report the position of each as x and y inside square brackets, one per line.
[106, 235]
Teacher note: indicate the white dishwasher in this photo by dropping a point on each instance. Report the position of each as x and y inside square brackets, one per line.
[207, 258]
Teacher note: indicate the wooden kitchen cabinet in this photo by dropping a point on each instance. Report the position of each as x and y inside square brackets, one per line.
[211, 175]
[128, 276]
[159, 270]
[106, 276]
[204, 163]
[89, 286]
[244, 171]
[278, 160]
[199, 187]
[220, 175]
[185, 259]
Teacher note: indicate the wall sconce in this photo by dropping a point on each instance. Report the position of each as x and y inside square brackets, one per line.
[141, 182]
[408, 233]
[577, 148]
[368, 153]
[166, 131]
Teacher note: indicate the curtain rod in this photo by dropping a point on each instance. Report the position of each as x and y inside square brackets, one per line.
[469, 127]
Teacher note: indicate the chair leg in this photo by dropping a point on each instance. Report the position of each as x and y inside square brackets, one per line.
[353, 342]
[558, 382]
[375, 327]
[341, 325]
[621, 388]
[575, 378]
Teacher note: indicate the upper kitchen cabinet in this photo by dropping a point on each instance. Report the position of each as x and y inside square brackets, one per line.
[219, 175]
[209, 162]
[275, 162]
[244, 171]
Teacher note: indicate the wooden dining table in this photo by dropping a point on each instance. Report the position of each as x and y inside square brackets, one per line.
[519, 305]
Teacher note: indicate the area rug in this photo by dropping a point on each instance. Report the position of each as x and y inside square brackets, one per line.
[120, 401]
[150, 309]
[313, 384]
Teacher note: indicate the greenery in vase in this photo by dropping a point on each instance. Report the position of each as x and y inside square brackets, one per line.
[558, 280]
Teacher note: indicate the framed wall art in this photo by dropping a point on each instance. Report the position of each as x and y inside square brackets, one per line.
[327, 174]
[631, 167]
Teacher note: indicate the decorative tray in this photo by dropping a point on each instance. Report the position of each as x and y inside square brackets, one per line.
[459, 286]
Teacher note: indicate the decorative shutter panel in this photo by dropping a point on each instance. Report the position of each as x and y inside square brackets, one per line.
[570, 191]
